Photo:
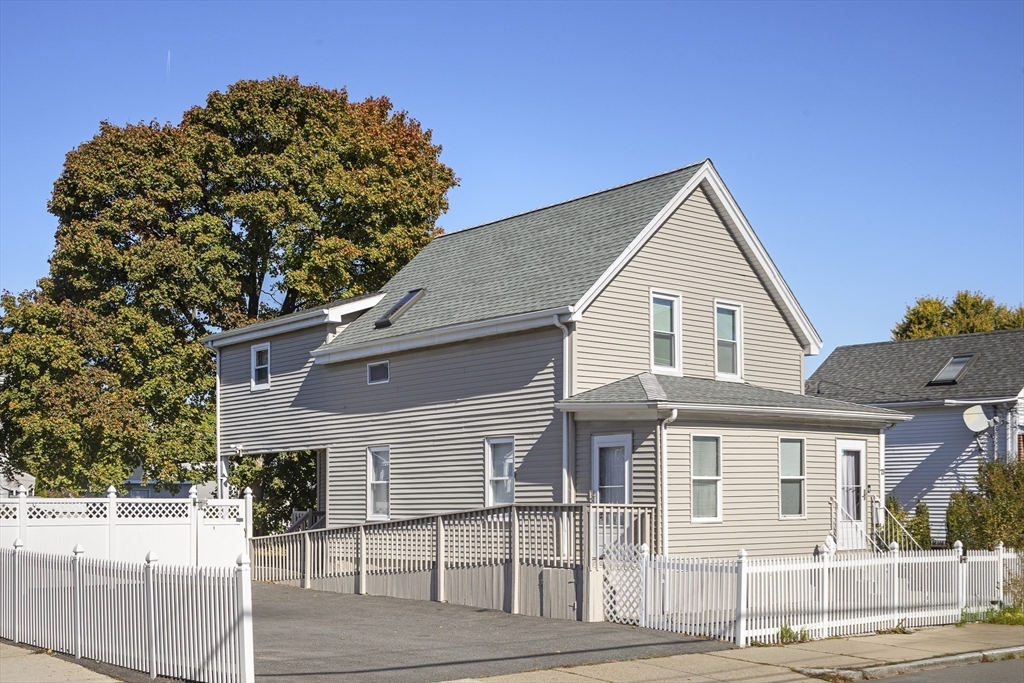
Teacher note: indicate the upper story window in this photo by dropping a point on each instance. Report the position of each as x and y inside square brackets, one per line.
[260, 362]
[728, 341]
[953, 369]
[378, 373]
[501, 471]
[665, 339]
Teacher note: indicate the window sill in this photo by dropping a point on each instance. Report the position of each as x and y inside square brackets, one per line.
[662, 370]
[259, 387]
[729, 378]
[787, 518]
[708, 520]
[378, 518]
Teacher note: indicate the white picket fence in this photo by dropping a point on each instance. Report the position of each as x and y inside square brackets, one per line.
[187, 622]
[746, 600]
[181, 530]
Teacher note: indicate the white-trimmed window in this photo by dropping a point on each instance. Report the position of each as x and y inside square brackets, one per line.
[706, 479]
[260, 364]
[501, 471]
[666, 346]
[378, 482]
[378, 373]
[792, 478]
[728, 341]
[612, 468]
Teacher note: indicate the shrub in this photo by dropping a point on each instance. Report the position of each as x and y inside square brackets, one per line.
[994, 513]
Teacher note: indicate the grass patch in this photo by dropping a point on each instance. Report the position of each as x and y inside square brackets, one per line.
[1006, 616]
[787, 635]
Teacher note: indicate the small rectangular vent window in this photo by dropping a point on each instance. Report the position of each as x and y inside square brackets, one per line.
[954, 368]
[400, 307]
[378, 373]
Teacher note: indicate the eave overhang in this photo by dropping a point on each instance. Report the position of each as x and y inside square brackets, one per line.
[710, 411]
[442, 335]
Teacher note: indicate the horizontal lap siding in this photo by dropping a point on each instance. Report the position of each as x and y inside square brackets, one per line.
[929, 458]
[644, 457]
[693, 254]
[750, 490]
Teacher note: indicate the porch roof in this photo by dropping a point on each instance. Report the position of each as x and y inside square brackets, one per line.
[667, 392]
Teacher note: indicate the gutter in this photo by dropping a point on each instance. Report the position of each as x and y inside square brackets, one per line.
[439, 335]
[743, 411]
[939, 402]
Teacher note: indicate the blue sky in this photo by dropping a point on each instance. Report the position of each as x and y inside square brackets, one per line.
[877, 148]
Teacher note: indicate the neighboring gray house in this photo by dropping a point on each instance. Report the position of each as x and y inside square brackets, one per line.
[635, 345]
[935, 380]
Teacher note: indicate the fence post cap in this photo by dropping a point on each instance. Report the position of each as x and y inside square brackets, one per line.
[894, 546]
[151, 557]
[193, 491]
[18, 543]
[958, 545]
[247, 492]
[999, 545]
[644, 549]
[243, 560]
[112, 490]
[22, 491]
[78, 549]
[741, 553]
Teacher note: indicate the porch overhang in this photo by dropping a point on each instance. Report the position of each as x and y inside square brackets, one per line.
[727, 413]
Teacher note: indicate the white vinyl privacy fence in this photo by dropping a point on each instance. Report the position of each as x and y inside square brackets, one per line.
[180, 530]
[747, 600]
[187, 622]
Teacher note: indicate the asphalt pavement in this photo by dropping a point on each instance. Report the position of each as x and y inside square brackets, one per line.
[1006, 671]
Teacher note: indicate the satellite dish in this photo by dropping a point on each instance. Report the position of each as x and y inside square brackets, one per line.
[975, 419]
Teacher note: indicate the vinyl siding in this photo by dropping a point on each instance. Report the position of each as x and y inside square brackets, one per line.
[750, 489]
[434, 413]
[644, 456]
[693, 254]
[929, 458]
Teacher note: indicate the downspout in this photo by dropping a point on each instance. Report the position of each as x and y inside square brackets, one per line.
[222, 473]
[881, 472]
[663, 482]
[565, 415]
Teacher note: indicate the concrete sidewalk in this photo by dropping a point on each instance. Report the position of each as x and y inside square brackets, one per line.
[25, 665]
[781, 664]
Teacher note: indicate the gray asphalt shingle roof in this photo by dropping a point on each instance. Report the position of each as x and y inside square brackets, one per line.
[669, 389]
[540, 260]
[896, 371]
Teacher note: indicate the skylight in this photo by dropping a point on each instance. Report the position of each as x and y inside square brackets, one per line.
[954, 368]
[400, 307]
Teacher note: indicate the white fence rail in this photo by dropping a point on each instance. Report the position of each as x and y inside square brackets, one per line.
[181, 530]
[193, 623]
[747, 600]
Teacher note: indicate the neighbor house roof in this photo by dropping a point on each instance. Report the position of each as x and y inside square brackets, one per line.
[545, 262]
[903, 371]
[665, 392]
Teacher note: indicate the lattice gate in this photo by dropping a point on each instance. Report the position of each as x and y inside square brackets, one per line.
[623, 583]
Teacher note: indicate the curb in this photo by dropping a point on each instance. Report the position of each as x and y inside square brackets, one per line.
[886, 670]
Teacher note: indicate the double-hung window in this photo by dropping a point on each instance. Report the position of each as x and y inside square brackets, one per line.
[792, 478]
[728, 341]
[706, 500]
[501, 471]
[665, 339]
[260, 364]
[378, 474]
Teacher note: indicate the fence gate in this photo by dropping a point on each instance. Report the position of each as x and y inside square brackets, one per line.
[623, 583]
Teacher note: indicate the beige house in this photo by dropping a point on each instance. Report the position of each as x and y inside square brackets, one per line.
[636, 345]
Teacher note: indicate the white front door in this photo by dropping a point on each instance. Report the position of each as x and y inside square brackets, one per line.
[850, 475]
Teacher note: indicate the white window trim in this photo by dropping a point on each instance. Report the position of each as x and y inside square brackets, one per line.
[852, 445]
[252, 366]
[596, 442]
[677, 325]
[380, 381]
[488, 501]
[803, 504]
[727, 377]
[718, 498]
[370, 516]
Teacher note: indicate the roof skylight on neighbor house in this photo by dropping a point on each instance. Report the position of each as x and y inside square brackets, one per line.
[953, 369]
[400, 307]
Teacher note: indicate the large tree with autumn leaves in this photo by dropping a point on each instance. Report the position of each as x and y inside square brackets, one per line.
[272, 197]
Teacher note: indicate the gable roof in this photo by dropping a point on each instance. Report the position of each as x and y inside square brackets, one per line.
[665, 392]
[549, 261]
[900, 371]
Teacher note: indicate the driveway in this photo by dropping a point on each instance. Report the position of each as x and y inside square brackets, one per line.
[316, 637]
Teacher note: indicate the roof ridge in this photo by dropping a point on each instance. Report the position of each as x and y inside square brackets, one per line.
[930, 339]
[569, 201]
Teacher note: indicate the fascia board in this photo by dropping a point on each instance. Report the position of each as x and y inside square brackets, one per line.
[440, 335]
[319, 316]
[720, 410]
[944, 402]
[810, 341]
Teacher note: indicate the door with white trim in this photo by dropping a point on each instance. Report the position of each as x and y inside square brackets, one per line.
[612, 468]
[851, 470]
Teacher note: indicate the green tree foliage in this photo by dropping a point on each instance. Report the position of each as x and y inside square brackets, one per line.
[280, 482]
[918, 524]
[968, 312]
[272, 197]
[994, 513]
